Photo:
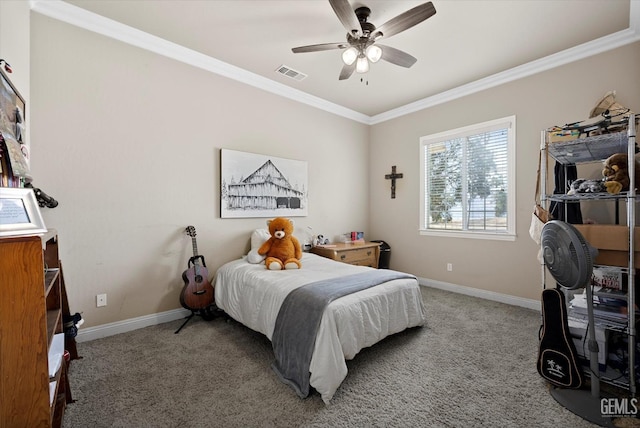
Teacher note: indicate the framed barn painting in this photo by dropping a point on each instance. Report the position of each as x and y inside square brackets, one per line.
[254, 185]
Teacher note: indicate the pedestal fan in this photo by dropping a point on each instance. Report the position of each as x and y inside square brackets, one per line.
[569, 259]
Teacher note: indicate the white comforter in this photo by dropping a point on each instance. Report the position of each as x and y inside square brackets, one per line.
[252, 295]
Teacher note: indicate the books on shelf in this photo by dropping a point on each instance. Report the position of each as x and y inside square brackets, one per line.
[608, 277]
[609, 306]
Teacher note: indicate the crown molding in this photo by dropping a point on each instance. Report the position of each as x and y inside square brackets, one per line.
[73, 15]
[567, 56]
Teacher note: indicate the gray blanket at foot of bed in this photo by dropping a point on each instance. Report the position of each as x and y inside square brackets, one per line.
[299, 318]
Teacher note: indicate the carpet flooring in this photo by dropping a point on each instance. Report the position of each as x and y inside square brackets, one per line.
[472, 365]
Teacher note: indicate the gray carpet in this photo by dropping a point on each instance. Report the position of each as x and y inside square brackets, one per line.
[472, 365]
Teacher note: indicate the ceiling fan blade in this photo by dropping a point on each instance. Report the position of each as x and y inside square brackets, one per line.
[396, 56]
[320, 47]
[404, 21]
[347, 16]
[347, 71]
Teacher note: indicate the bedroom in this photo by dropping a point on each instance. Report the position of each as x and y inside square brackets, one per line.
[128, 141]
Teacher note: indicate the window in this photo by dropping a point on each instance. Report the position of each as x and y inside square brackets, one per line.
[467, 185]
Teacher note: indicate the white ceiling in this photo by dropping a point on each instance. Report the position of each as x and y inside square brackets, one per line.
[466, 41]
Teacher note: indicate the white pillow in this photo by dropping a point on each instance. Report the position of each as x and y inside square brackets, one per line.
[258, 237]
[255, 258]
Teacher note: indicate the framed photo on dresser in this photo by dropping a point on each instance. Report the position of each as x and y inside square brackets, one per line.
[19, 212]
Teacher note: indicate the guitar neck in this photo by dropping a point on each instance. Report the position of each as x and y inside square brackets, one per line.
[195, 246]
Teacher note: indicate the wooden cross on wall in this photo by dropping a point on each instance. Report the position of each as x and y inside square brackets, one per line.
[393, 177]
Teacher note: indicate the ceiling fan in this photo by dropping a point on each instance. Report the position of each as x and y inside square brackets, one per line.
[361, 46]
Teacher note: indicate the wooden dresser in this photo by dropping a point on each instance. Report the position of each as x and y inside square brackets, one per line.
[34, 387]
[361, 254]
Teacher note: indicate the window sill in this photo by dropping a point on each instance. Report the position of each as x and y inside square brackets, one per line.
[468, 235]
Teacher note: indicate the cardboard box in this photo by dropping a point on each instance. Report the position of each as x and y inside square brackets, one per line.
[612, 242]
[557, 136]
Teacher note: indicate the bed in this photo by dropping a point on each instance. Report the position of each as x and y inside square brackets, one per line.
[253, 296]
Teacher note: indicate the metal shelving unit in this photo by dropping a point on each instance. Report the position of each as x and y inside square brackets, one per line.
[596, 149]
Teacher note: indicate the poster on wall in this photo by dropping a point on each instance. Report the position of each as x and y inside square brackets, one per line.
[12, 126]
[254, 185]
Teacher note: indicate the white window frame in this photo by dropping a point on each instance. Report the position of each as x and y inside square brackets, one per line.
[510, 234]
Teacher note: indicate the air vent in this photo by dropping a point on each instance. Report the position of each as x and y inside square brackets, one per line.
[289, 72]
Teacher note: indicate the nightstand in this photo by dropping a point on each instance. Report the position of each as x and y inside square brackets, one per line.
[361, 254]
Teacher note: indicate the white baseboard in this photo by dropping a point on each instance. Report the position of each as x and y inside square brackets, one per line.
[483, 294]
[105, 330]
[110, 329]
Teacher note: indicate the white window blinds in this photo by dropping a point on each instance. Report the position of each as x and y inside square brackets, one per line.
[467, 180]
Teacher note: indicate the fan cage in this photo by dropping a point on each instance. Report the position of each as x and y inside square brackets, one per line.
[567, 255]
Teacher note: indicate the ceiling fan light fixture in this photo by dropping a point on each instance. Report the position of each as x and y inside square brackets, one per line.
[362, 66]
[349, 55]
[374, 53]
[358, 51]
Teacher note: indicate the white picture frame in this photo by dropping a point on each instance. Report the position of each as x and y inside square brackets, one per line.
[254, 185]
[19, 212]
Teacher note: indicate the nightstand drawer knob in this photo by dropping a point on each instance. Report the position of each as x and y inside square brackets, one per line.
[343, 256]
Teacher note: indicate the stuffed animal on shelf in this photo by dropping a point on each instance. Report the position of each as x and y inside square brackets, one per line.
[282, 249]
[583, 185]
[321, 240]
[616, 173]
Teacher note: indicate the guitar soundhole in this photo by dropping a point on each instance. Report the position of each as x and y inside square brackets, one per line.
[198, 278]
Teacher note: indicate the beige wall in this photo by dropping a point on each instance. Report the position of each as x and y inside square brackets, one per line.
[14, 41]
[129, 143]
[14, 48]
[555, 97]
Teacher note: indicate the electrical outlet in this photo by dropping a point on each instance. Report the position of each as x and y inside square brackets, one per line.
[101, 300]
[449, 269]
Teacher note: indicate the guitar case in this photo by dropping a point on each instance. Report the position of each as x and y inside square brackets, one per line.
[557, 357]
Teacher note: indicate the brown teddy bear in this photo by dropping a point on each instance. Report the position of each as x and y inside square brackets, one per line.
[282, 249]
[616, 173]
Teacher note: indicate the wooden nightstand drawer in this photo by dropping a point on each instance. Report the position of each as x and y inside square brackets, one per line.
[365, 254]
[359, 256]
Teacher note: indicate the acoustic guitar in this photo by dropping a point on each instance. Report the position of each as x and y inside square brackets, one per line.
[197, 293]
